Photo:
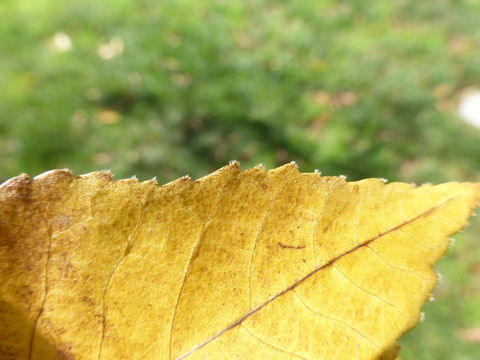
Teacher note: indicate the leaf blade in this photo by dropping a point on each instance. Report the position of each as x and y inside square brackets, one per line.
[227, 253]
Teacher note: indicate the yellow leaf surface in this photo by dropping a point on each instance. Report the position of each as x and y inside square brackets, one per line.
[248, 264]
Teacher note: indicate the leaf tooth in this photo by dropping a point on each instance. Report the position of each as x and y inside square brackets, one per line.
[149, 184]
[291, 165]
[254, 172]
[290, 169]
[234, 164]
[132, 180]
[153, 181]
[232, 167]
[55, 172]
[262, 169]
[105, 175]
[17, 181]
[184, 180]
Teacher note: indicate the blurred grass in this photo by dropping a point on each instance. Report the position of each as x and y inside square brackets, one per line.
[166, 88]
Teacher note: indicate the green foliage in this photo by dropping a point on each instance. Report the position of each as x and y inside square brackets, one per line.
[166, 88]
[346, 88]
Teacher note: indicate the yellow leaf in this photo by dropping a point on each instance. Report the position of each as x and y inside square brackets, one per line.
[248, 264]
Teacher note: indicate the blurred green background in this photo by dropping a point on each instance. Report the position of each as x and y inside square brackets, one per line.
[366, 88]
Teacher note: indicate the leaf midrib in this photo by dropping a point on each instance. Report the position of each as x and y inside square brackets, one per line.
[310, 274]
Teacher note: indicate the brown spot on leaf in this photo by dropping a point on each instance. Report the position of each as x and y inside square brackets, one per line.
[284, 246]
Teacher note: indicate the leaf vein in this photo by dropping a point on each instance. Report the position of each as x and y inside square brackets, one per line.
[369, 292]
[310, 274]
[335, 319]
[257, 236]
[190, 262]
[44, 299]
[271, 345]
[128, 247]
[395, 267]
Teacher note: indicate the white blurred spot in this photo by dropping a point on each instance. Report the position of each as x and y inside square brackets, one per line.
[469, 108]
[133, 156]
[79, 118]
[111, 49]
[93, 94]
[422, 317]
[470, 334]
[102, 158]
[61, 42]
[174, 40]
[171, 64]
[135, 78]
[181, 79]
[451, 242]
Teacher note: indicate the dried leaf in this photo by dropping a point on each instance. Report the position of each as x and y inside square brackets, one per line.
[248, 264]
